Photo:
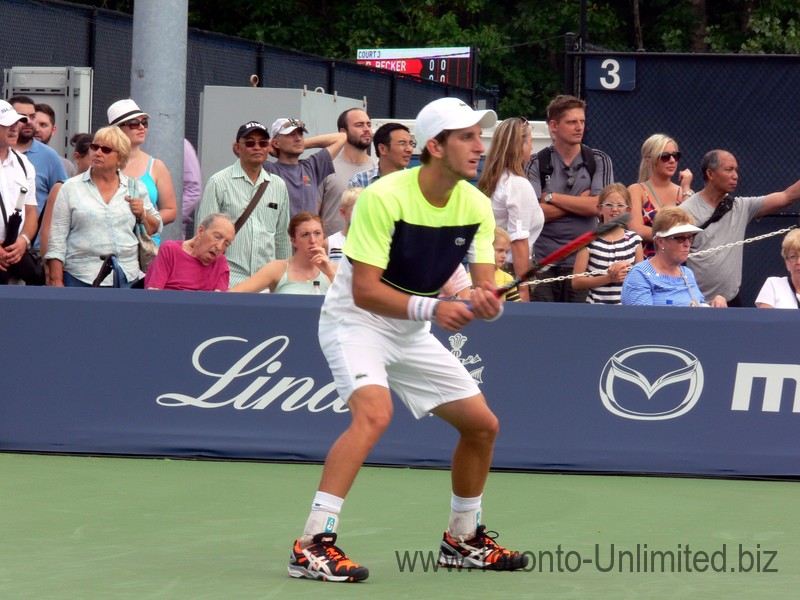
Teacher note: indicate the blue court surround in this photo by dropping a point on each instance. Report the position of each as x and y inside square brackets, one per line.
[576, 388]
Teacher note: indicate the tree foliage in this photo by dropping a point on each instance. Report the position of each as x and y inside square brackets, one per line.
[521, 43]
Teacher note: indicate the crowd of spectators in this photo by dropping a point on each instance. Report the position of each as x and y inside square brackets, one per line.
[276, 222]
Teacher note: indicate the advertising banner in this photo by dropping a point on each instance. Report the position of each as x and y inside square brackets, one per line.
[576, 388]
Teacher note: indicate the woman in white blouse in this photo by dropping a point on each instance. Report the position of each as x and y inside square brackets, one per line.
[94, 216]
[782, 292]
[516, 208]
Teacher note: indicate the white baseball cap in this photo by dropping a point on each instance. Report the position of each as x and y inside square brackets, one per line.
[447, 114]
[287, 126]
[678, 229]
[9, 116]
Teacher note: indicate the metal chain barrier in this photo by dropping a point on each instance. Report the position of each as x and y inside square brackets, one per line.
[757, 238]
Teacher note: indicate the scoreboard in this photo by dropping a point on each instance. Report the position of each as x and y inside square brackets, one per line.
[447, 65]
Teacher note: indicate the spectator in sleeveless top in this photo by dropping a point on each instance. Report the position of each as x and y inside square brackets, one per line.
[782, 292]
[306, 271]
[153, 173]
[610, 257]
[655, 189]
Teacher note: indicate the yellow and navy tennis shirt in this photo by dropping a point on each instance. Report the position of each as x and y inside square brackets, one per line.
[417, 244]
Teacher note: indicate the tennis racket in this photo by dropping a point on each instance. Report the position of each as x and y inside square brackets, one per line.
[565, 251]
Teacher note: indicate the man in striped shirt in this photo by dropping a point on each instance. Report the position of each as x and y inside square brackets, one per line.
[264, 236]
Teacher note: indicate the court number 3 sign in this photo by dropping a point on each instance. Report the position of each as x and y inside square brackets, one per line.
[611, 74]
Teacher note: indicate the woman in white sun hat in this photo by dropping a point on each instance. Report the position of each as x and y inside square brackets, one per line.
[663, 280]
[150, 171]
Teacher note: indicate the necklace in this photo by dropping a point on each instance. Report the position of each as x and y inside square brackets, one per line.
[304, 275]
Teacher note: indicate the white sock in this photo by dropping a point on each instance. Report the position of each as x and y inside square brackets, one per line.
[465, 516]
[324, 516]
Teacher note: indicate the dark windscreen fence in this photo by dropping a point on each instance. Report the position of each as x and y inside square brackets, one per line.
[739, 103]
[51, 33]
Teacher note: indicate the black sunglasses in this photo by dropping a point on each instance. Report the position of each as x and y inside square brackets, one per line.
[262, 143]
[665, 156]
[135, 123]
[682, 239]
[103, 149]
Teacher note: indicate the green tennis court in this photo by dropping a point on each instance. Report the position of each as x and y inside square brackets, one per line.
[85, 528]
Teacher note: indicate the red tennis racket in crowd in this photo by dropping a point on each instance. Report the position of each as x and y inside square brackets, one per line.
[563, 252]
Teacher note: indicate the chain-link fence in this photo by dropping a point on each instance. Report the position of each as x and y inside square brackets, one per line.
[50, 33]
[743, 104]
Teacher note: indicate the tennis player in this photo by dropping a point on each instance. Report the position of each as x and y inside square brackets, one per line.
[409, 231]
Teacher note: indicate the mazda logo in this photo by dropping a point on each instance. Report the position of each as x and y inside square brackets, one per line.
[651, 382]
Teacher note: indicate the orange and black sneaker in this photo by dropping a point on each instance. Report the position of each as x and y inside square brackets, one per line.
[323, 560]
[479, 552]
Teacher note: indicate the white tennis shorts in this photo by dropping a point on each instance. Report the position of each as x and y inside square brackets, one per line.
[416, 367]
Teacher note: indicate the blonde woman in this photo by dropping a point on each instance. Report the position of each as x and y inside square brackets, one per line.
[514, 201]
[94, 216]
[655, 189]
[782, 292]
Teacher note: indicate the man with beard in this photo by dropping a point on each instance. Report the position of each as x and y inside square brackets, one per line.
[353, 159]
[303, 176]
[49, 170]
[45, 128]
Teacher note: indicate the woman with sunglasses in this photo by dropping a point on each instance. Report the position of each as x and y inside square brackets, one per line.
[93, 216]
[151, 172]
[655, 189]
[513, 197]
[662, 280]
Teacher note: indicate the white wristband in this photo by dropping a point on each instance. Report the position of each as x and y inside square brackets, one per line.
[499, 313]
[420, 308]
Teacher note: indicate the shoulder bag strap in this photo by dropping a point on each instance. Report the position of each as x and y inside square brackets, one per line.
[3, 208]
[722, 208]
[794, 290]
[254, 200]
